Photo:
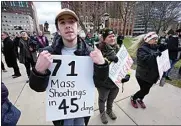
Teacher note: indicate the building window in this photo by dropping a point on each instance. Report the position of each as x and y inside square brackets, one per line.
[4, 16]
[3, 24]
[27, 22]
[6, 21]
[11, 3]
[27, 4]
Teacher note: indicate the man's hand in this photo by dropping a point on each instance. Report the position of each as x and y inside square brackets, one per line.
[97, 56]
[43, 62]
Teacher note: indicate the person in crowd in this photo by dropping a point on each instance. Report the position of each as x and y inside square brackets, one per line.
[173, 49]
[179, 53]
[69, 43]
[120, 39]
[16, 44]
[89, 40]
[162, 38]
[108, 90]
[42, 40]
[34, 36]
[3, 67]
[28, 55]
[147, 69]
[9, 113]
[9, 54]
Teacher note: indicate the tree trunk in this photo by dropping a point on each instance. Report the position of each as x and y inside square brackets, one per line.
[83, 27]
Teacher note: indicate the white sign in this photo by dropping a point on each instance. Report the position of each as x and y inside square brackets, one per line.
[163, 63]
[71, 90]
[118, 70]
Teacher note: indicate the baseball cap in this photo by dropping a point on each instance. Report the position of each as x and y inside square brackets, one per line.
[66, 11]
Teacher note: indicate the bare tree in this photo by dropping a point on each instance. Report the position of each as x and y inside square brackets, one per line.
[165, 13]
[145, 10]
[126, 9]
[75, 7]
[96, 17]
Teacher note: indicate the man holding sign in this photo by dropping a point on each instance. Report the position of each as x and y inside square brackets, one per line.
[69, 44]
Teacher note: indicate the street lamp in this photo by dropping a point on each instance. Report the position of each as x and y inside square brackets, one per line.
[106, 19]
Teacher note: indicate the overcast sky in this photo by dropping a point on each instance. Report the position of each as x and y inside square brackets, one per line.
[46, 11]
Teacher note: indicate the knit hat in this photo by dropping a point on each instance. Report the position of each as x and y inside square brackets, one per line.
[65, 11]
[149, 36]
[106, 32]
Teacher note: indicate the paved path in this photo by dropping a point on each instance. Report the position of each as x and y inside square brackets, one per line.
[163, 104]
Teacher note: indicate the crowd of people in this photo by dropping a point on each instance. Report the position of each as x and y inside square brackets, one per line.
[68, 42]
[24, 48]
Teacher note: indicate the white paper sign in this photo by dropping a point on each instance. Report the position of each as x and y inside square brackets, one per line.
[118, 70]
[163, 63]
[71, 90]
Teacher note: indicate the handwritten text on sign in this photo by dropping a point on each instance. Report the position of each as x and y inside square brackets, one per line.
[163, 63]
[118, 70]
[70, 92]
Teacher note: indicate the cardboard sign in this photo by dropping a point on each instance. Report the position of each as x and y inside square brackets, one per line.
[71, 90]
[163, 63]
[118, 70]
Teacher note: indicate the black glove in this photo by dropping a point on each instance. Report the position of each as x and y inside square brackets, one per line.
[157, 53]
[125, 79]
[113, 59]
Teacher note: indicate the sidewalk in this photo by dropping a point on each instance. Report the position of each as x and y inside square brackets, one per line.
[163, 103]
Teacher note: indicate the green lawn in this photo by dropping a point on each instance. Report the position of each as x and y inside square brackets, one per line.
[178, 64]
[128, 41]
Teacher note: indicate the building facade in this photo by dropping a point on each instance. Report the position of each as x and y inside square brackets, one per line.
[91, 13]
[21, 10]
[14, 23]
[139, 26]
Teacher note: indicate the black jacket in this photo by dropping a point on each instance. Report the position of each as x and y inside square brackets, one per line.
[39, 82]
[147, 68]
[173, 47]
[9, 52]
[25, 52]
[109, 52]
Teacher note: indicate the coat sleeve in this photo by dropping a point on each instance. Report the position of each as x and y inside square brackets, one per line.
[101, 73]
[39, 82]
